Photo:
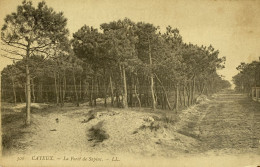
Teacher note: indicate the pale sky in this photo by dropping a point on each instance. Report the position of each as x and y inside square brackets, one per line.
[231, 26]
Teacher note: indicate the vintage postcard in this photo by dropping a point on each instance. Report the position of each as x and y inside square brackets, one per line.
[130, 83]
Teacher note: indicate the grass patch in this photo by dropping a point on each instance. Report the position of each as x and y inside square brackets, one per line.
[13, 125]
[12, 118]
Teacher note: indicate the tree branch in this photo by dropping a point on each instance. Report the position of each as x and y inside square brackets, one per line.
[9, 57]
[39, 47]
[12, 42]
[8, 44]
[13, 52]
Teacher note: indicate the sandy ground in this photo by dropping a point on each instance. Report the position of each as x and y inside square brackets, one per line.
[226, 124]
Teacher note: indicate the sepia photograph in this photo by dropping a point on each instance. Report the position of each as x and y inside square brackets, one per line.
[130, 83]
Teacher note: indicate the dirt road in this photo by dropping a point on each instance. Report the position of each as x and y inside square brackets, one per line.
[227, 123]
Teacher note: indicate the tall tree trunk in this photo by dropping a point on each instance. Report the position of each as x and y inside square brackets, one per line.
[151, 77]
[125, 105]
[95, 84]
[28, 94]
[25, 92]
[138, 99]
[96, 90]
[64, 88]
[75, 89]
[60, 91]
[112, 92]
[184, 95]
[177, 97]
[80, 89]
[130, 88]
[165, 93]
[40, 92]
[33, 92]
[162, 100]
[117, 96]
[56, 88]
[180, 96]
[105, 88]
[141, 89]
[91, 92]
[14, 92]
[193, 90]
[105, 94]
[190, 93]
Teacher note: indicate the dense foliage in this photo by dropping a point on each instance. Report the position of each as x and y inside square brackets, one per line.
[127, 63]
[248, 76]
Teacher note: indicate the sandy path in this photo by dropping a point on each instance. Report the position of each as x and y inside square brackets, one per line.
[228, 123]
[234, 123]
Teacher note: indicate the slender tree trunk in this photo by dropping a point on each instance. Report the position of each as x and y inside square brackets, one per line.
[105, 89]
[148, 89]
[2, 95]
[152, 93]
[165, 93]
[33, 92]
[60, 91]
[56, 88]
[184, 95]
[95, 87]
[162, 100]
[130, 88]
[28, 93]
[75, 88]
[125, 105]
[91, 92]
[117, 95]
[177, 97]
[151, 78]
[138, 99]
[112, 92]
[25, 92]
[190, 93]
[193, 90]
[96, 91]
[14, 92]
[64, 88]
[119, 89]
[140, 91]
[105, 94]
[180, 95]
[80, 89]
[28, 87]
[40, 92]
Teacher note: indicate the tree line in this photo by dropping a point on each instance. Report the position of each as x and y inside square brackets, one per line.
[122, 63]
[248, 76]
